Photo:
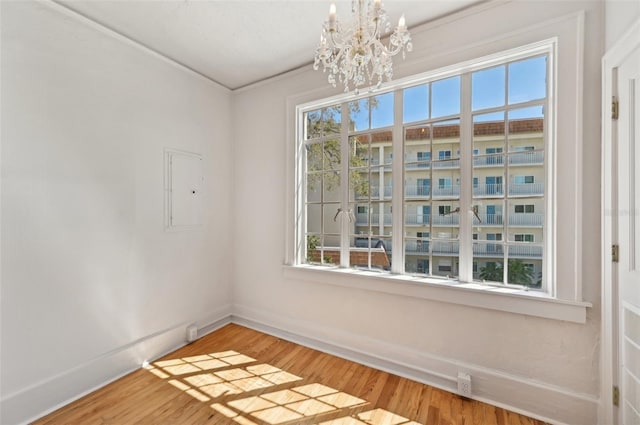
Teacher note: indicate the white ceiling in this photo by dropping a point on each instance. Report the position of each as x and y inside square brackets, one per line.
[239, 42]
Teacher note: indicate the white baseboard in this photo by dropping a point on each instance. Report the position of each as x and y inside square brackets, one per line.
[539, 400]
[48, 395]
[536, 399]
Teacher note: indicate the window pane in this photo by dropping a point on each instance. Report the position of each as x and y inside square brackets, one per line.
[525, 264]
[312, 124]
[417, 162]
[526, 222]
[445, 97]
[488, 158]
[314, 156]
[359, 152]
[489, 264]
[321, 122]
[331, 154]
[381, 110]
[488, 88]
[415, 103]
[528, 80]
[331, 186]
[370, 248]
[444, 238]
[359, 115]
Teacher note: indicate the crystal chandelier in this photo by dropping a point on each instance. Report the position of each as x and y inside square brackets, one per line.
[354, 54]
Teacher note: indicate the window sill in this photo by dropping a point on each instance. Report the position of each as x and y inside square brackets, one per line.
[531, 303]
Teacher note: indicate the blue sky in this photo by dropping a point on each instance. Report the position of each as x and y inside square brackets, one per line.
[526, 81]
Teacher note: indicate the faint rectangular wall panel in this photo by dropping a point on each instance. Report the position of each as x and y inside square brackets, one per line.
[183, 190]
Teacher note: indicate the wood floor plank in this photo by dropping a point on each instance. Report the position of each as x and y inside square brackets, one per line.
[238, 376]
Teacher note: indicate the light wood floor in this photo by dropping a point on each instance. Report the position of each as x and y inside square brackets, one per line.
[239, 376]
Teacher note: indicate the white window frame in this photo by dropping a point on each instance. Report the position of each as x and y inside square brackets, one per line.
[565, 300]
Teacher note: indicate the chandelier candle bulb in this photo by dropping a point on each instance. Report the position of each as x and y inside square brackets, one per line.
[401, 25]
[332, 16]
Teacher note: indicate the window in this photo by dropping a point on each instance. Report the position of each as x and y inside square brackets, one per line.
[523, 179]
[479, 135]
[529, 209]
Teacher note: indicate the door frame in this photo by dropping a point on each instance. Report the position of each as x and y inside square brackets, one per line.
[612, 59]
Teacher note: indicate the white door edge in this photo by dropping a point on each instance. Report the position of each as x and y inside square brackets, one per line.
[608, 373]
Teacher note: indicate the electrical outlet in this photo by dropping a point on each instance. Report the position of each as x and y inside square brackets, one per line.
[192, 333]
[464, 384]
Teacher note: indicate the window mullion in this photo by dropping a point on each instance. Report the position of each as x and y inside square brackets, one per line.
[397, 176]
[346, 216]
[465, 231]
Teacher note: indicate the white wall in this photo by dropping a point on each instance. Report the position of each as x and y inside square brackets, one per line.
[545, 367]
[92, 285]
[619, 15]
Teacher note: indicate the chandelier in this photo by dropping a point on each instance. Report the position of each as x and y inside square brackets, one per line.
[354, 54]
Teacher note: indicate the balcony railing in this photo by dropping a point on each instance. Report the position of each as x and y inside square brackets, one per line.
[362, 219]
[374, 191]
[446, 191]
[525, 251]
[526, 219]
[515, 158]
[526, 158]
[491, 189]
[488, 249]
[417, 191]
[496, 160]
[482, 249]
[479, 190]
[375, 219]
[445, 247]
[488, 220]
[417, 247]
[438, 220]
[493, 249]
[526, 189]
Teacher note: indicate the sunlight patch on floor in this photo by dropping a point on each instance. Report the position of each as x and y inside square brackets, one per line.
[224, 380]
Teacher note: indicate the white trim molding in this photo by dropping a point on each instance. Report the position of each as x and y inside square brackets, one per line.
[519, 394]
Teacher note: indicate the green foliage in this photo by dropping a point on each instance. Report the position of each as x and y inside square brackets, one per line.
[519, 273]
[324, 157]
[312, 244]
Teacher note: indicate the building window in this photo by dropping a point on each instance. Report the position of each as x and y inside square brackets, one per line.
[528, 209]
[479, 134]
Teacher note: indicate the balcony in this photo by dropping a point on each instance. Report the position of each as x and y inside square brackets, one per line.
[447, 248]
[525, 251]
[481, 249]
[491, 189]
[496, 160]
[526, 220]
[515, 158]
[526, 158]
[447, 191]
[496, 249]
[517, 189]
[374, 191]
[416, 247]
[488, 220]
[417, 191]
[362, 219]
[438, 220]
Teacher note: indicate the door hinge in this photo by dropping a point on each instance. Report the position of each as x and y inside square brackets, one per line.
[615, 253]
[614, 108]
[616, 396]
